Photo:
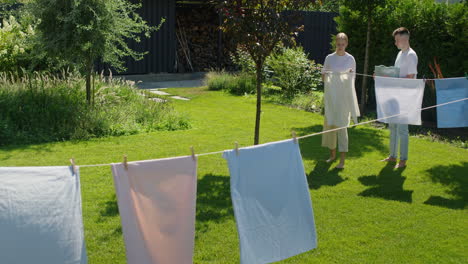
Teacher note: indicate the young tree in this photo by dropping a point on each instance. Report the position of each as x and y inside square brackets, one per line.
[258, 26]
[81, 31]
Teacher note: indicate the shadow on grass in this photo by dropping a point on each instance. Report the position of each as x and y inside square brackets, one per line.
[322, 176]
[388, 184]
[38, 148]
[361, 140]
[213, 201]
[109, 209]
[455, 178]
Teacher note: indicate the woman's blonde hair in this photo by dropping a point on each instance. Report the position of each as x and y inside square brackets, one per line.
[342, 36]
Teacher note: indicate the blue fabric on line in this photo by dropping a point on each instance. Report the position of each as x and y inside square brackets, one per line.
[271, 200]
[40, 216]
[456, 114]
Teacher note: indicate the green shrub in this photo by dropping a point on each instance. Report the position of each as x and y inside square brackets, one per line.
[243, 61]
[294, 72]
[217, 81]
[288, 68]
[244, 83]
[15, 44]
[41, 108]
[238, 84]
[311, 101]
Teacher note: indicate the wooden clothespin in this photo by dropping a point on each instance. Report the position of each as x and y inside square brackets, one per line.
[73, 165]
[237, 148]
[125, 162]
[294, 136]
[193, 154]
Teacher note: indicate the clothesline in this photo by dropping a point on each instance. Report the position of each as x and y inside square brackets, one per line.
[314, 134]
[362, 74]
[372, 76]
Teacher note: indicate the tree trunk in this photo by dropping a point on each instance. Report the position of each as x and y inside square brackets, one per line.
[93, 91]
[366, 65]
[259, 104]
[89, 72]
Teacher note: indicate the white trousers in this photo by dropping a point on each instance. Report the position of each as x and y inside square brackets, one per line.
[329, 140]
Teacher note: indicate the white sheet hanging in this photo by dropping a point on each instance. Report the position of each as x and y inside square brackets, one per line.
[398, 96]
[40, 216]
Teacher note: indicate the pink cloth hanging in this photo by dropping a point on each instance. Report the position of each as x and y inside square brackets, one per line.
[157, 208]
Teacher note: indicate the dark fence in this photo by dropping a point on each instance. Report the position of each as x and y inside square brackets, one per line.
[161, 46]
[317, 35]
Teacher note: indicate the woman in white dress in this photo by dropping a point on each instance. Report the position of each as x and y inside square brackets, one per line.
[340, 98]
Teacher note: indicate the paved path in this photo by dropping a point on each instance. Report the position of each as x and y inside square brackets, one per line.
[157, 82]
[170, 84]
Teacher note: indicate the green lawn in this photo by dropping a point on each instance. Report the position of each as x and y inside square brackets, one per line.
[367, 213]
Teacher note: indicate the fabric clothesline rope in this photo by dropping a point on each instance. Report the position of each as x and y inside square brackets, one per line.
[372, 76]
[314, 134]
[362, 74]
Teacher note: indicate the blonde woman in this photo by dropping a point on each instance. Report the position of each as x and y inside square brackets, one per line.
[340, 98]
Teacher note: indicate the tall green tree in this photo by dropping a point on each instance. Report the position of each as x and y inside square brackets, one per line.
[258, 26]
[81, 31]
[367, 8]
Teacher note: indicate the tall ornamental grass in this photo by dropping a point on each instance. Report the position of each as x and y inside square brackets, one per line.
[43, 107]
